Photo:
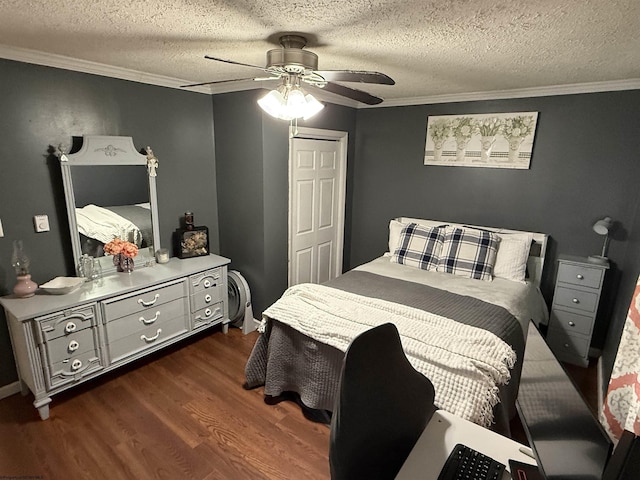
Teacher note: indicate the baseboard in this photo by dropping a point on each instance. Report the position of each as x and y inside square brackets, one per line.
[10, 389]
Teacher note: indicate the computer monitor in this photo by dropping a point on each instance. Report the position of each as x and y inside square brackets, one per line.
[566, 437]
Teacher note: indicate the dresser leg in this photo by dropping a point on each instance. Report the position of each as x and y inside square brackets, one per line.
[43, 407]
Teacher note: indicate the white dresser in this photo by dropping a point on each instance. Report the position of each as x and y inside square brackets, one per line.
[59, 341]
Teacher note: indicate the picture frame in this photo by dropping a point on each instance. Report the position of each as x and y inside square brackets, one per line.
[493, 140]
[193, 242]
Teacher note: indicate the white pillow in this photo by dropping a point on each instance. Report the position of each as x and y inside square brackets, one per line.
[513, 253]
[395, 229]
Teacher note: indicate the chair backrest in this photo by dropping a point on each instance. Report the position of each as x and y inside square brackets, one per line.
[383, 405]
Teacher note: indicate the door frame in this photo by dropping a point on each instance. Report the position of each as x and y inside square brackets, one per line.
[342, 139]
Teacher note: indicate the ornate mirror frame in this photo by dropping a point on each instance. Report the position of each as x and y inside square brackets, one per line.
[113, 151]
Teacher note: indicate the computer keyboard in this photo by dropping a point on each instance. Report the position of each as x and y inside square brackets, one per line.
[465, 463]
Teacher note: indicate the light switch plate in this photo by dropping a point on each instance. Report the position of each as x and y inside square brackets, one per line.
[41, 223]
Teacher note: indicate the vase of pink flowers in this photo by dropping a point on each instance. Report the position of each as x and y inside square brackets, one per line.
[123, 253]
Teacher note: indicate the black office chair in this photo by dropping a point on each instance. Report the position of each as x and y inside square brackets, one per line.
[383, 406]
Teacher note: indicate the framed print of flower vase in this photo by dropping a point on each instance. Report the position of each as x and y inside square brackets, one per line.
[497, 140]
[192, 240]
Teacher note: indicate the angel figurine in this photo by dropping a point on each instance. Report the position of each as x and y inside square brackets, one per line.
[152, 162]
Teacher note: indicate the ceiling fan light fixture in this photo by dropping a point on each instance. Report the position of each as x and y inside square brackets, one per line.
[289, 102]
[313, 106]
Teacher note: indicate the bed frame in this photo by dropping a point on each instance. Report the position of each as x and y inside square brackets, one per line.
[535, 263]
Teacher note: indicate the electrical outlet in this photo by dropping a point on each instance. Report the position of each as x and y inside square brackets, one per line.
[41, 223]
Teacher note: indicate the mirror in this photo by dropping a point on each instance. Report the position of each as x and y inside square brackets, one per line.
[110, 191]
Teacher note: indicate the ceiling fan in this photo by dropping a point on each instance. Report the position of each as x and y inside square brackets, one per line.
[293, 65]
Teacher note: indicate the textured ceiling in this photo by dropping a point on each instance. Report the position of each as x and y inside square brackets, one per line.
[430, 48]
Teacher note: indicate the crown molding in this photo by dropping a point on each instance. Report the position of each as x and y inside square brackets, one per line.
[85, 66]
[570, 89]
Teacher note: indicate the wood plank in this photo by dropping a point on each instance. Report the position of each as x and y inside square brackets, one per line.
[180, 413]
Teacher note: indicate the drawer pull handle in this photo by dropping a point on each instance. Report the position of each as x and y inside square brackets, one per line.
[73, 346]
[572, 324]
[207, 283]
[207, 312]
[70, 327]
[580, 277]
[151, 339]
[76, 364]
[575, 300]
[151, 320]
[207, 298]
[148, 304]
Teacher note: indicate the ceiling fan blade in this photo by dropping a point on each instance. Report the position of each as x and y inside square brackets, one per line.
[351, 93]
[228, 81]
[355, 76]
[232, 62]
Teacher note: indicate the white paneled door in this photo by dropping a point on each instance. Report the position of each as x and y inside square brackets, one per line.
[317, 183]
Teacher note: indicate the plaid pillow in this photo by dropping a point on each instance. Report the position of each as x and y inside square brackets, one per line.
[419, 246]
[469, 253]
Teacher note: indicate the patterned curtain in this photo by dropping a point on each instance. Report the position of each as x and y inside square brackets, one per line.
[621, 408]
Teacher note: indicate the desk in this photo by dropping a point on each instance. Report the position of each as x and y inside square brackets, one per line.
[442, 433]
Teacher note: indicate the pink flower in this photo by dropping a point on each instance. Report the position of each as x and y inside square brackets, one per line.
[117, 245]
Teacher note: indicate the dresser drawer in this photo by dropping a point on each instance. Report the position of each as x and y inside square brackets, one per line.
[580, 275]
[66, 322]
[567, 346]
[206, 316]
[73, 369]
[207, 281]
[146, 339]
[142, 321]
[206, 298]
[143, 300]
[571, 322]
[576, 299]
[77, 343]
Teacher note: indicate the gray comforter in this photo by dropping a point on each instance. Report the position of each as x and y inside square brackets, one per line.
[284, 360]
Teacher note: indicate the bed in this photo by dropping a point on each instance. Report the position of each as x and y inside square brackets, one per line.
[462, 297]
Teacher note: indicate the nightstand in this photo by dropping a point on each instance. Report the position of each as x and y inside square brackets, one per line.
[575, 305]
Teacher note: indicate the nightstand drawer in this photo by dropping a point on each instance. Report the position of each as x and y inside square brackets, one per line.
[571, 322]
[567, 346]
[580, 275]
[576, 299]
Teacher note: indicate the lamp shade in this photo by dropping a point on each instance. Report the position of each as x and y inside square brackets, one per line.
[289, 102]
[602, 227]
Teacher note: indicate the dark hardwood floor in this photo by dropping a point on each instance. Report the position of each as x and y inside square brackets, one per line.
[181, 414]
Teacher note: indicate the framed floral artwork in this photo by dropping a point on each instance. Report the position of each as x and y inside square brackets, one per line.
[192, 242]
[496, 140]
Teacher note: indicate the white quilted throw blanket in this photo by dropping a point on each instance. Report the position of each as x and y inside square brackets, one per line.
[465, 364]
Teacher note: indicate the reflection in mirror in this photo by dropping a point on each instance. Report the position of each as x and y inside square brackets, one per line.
[103, 193]
[109, 193]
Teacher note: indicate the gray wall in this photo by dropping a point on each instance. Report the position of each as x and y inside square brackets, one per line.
[45, 106]
[253, 188]
[584, 166]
